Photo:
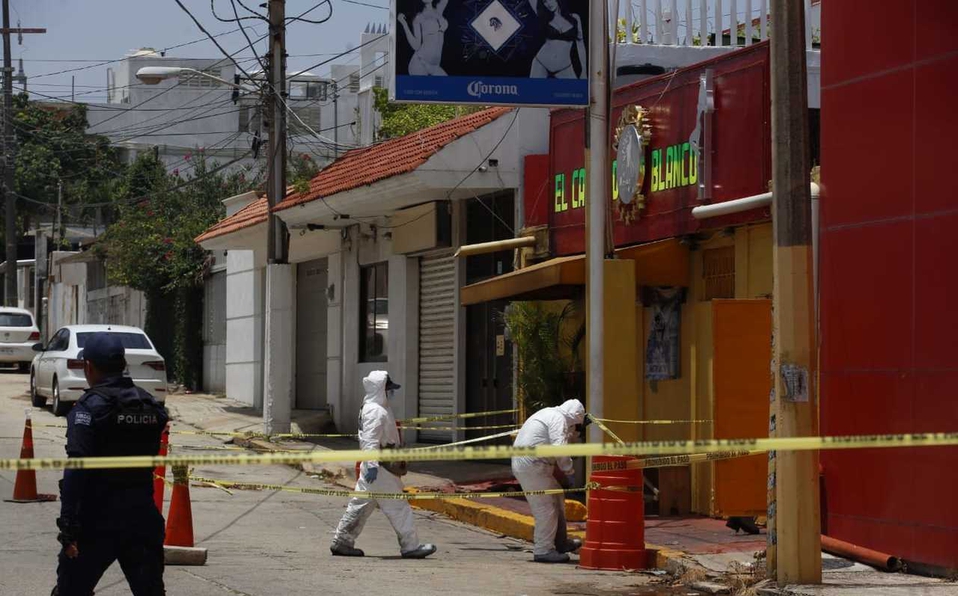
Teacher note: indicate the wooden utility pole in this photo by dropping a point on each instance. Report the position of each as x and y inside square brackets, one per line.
[276, 108]
[9, 159]
[794, 527]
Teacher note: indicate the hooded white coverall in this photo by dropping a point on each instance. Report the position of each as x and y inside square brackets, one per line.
[548, 426]
[377, 429]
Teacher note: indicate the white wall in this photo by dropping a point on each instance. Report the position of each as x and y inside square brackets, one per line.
[403, 342]
[245, 286]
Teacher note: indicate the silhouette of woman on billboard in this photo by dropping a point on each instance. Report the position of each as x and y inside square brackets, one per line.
[426, 38]
[563, 52]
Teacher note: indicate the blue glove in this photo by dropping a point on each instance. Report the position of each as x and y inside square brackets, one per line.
[371, 475]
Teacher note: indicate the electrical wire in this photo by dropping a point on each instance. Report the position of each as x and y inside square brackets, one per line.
[147, 197]
[105, 62]
[238, 18]
[312, 22]
[239, 22]
[213, 39]
[366, 4]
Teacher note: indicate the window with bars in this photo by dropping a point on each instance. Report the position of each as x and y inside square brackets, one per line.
[197, 81]
[354, 83]
[718, 273]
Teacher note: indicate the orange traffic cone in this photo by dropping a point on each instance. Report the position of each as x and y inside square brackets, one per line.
[179, 521]
[25, 487]
[159, 474]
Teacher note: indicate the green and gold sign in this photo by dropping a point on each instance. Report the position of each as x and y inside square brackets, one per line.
[674, 167]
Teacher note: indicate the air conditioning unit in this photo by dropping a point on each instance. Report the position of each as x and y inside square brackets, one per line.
[422, 228]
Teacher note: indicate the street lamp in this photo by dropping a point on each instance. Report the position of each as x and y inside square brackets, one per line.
[153, 75]
[277, 373]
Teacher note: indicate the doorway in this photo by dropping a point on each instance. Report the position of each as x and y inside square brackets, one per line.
[488, 354]
[311, 282]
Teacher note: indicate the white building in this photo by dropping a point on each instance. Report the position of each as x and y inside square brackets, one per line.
[178, 116]
[373, 281]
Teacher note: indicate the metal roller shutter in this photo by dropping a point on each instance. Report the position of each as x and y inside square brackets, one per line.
[437, 313]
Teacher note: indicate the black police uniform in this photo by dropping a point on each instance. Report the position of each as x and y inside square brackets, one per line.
[110, 514]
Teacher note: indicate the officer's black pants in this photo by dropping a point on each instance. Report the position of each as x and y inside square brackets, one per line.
[138, 548]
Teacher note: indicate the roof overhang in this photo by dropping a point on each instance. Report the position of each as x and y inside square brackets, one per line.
[249, 238]
[555, 279]
[662, 263]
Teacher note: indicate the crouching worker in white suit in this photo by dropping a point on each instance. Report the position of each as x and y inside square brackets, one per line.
[549, 426]
[377, 430]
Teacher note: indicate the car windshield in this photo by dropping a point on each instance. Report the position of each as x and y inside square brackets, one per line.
[12, 319]
[131, 341]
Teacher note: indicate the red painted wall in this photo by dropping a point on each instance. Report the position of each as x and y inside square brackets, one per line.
[536, 193]
[889, 288]
[742, 158]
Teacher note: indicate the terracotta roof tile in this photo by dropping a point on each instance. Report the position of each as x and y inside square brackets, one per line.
[367, 165]
[363, 166]
[246, 217]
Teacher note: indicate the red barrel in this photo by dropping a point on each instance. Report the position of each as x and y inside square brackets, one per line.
[615, 532]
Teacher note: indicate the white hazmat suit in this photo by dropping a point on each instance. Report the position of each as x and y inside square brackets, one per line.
[548, 426]
[377, 429]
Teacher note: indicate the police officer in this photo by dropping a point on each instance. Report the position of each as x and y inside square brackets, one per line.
[109, 515]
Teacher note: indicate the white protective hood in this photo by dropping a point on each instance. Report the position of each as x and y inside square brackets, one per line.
[375, 386]
[574, 411]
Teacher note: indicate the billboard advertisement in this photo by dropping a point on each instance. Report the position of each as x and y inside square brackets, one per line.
[488, 52]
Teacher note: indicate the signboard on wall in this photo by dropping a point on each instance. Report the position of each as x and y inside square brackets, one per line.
[488, 52]
[740, 152]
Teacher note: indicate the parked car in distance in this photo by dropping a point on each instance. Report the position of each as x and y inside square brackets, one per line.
[57, 373]
[18, 333]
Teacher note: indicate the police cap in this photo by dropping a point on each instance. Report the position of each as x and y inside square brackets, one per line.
[103, 349]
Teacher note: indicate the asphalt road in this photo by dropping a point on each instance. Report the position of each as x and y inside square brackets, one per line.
[270, 542]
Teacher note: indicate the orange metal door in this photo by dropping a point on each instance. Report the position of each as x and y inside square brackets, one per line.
[742, 339]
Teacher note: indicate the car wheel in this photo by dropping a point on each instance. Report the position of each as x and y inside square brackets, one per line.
[24, 367]
[59, 408]
[36, 399]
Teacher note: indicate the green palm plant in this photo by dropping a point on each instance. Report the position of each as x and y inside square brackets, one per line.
[550, 369]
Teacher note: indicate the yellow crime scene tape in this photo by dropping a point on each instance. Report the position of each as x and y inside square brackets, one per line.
[458, 416]
[410, 496]
[465, 452]
[453, 428]
[606, 430]
[470, 441]
[610, 420]
[668, 461]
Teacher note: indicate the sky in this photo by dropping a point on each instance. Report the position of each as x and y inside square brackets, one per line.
[82, 33]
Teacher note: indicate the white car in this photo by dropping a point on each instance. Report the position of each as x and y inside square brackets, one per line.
[58, 374]
[18, 333]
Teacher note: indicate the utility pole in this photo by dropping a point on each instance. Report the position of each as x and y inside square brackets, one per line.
[335, 120]
[597, 162]
[9, 159]
[276, 108]
[58, 235]
[794, 526]
[278, 319]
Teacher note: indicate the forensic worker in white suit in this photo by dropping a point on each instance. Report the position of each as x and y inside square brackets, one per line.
[377, 430]
[549, 426]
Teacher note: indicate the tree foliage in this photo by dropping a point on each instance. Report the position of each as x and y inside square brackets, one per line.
[151, 247]
[53, 149]
[400, 119]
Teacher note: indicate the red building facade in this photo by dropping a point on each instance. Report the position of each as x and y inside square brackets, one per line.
[889, 320]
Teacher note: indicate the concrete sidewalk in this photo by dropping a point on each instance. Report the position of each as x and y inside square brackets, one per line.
[688, 547]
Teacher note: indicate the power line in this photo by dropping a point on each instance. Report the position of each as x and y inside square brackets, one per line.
[105, 62]
[213, 39]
